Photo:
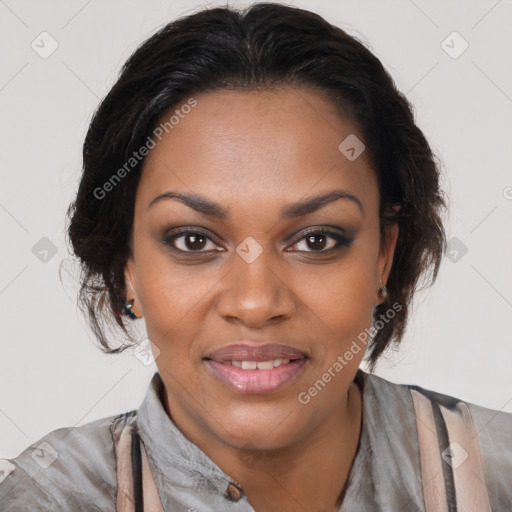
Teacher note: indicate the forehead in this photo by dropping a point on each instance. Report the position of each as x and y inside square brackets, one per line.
[247, 145]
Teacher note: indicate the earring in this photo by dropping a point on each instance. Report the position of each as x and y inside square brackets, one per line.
[127, 309]
[383, 291]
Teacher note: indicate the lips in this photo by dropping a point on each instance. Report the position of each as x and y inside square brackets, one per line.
[258, 353]
[256, 369]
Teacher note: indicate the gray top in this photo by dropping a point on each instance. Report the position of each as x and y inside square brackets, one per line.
[74, 468]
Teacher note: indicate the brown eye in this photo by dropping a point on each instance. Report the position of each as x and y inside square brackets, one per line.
[322, 240]
[317, 242]
[190, 241]
[194, 242]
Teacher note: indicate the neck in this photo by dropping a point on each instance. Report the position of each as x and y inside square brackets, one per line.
[309, 475]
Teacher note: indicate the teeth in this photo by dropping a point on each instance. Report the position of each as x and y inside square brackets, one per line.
[260, 365]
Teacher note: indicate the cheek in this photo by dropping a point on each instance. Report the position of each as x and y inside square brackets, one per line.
[341, 299]
[166, 292]
[344, 305]
[175, 299]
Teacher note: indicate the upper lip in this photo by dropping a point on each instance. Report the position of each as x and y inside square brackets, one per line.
[245, 352]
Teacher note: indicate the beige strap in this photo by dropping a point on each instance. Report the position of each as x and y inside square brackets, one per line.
[122, 444]
[152, 501]
[468, 472]
[122, 438]
[434, 490]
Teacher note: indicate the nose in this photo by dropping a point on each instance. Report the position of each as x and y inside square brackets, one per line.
[256, 293]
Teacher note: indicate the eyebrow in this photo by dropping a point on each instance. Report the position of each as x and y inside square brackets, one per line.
[298, 209]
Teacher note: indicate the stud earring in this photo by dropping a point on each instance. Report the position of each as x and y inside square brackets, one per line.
[127, 309]
[383, 291]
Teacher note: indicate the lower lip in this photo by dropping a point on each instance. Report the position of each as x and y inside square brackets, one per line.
[256, 382]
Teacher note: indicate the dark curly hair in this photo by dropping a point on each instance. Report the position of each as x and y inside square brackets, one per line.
[264, 46]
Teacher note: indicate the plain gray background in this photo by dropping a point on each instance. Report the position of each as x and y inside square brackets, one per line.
[458, 340]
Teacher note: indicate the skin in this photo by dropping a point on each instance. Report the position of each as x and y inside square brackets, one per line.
[253, 153]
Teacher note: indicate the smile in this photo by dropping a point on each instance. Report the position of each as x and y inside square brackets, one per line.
[256, 377]
[260, 365]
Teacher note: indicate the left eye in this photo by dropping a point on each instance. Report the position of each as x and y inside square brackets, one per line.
[323, 241]
[191, 241]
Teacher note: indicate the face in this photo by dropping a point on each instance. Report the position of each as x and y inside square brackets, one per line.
[249, 259]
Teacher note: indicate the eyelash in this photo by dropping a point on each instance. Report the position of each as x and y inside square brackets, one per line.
[341, 240]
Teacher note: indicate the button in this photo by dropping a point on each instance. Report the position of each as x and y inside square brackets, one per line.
[234, 491]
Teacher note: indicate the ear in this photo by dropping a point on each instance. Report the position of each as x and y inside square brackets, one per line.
[386, 254]
[131, 286]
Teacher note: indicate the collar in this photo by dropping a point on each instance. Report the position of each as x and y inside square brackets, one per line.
[185, 475]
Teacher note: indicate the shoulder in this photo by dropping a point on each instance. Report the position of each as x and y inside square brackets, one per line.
[491, 421]
[491, 428]
[70, 468]
[486, 421]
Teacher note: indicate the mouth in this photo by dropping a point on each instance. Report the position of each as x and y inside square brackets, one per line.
[252, 370]
[248, 352]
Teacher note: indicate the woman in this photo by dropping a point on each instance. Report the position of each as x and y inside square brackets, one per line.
[256, 189]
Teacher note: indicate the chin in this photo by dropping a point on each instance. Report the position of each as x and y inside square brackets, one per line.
[256, 430]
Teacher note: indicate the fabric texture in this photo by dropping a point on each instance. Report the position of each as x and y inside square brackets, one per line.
[76, 468]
